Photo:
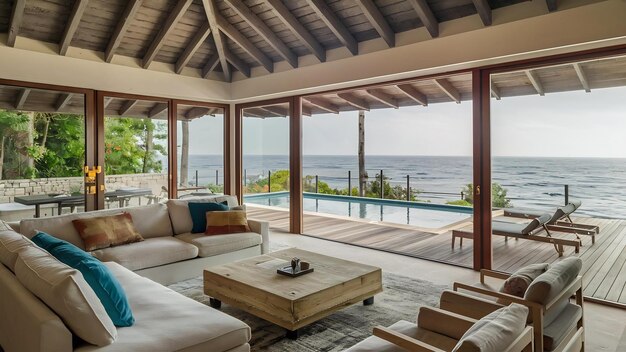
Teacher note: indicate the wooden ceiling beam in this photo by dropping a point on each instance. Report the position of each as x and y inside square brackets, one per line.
[193, 46]
[120, 29]
[326, 14]
[235, 35]
[306, 111]
[484, 11]
[495, 91]
[449, 89]
[21, 98]
[552, 5]
[127, 106]
[270, 113]
[247, 113]
[220, 42]
[197, 112]
[582, 77]
[210, 65]
[414, 94]
[107, 102]
[72, 25]
[283, 13]
[535, 81]
[426, 16]
[356, 102]
[383, 98]
[264, 31]
[378, 21]
[62, 101]
[238, 63]
[166, 28]
[17, 15]
[323, 104]
[283, 112]
[157, 109]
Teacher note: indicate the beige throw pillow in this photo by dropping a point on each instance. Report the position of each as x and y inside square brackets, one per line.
[67, 293]
[11, 243]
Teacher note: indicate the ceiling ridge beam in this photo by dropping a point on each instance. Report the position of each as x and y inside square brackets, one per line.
[535, 81]
[378, 21]
[62, 101]
[229, 30]
[21, 98]
[17, 15]
[292, 23]
[238, 63]
[383, 98]
[264, 31]
[157, 109]
[193, 46]
[427, 17]
[449, 89]
[414, 94]
[322, 104]
[326, 14]
[354, 101]
[72, 25]
[175, 15]
[484, 11]
[495, 91]
[210, 65]
[122, 26]
[218, 38]
[129, 104]
[582, 76]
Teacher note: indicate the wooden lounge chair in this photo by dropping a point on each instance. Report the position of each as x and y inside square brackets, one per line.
[528, 231]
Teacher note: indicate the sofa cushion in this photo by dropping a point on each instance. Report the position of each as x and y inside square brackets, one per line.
[225, 222]
[219, 244]
[149, 220]
[179, 210]
[518, 282]
[556, 331]
[107, 231]
[168, 321]
[549, 284]
[11, 243]
[198, 213]
[65, 291]
[149, 253]
[99, 278]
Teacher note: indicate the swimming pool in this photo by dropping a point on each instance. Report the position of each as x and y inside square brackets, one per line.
[426, 215]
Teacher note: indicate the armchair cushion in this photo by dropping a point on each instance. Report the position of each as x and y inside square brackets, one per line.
[549, 284]
[561, 326]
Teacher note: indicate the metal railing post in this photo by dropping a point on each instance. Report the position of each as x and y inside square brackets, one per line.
[196, 178]
[317, 182]
[382, 186]
[217, 177]
[269, 181]
[462, 195]
[408, 188]
[566, 194]
[245, 177]
[349, 182]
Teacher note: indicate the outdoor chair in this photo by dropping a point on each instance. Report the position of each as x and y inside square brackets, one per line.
[557, 323]
[528, 231]
[442, 331]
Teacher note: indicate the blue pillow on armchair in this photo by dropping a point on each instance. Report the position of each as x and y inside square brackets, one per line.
[198, 213]
[97, 275]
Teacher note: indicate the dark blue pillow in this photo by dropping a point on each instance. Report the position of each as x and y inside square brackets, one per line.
[198, 214]
[97, 275]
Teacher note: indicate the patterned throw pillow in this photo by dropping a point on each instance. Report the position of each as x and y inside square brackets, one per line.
[107, 231]
[518, 282]
[225, 222]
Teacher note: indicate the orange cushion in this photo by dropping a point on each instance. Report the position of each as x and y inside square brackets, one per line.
[107, 231]
[224, 222]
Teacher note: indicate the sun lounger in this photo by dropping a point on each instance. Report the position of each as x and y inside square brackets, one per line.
[528, 231]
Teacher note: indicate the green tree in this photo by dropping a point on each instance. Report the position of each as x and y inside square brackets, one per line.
[130, 146]
[11, 124]
[59, 150]
[498, 195]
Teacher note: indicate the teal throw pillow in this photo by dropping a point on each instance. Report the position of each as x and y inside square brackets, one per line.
[198, 214]
[97, 275]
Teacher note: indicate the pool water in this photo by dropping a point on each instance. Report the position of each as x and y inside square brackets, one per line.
[400, 212]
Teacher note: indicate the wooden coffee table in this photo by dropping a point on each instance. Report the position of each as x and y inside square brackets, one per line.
[292, 302]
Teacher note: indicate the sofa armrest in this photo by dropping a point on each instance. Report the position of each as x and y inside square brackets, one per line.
[263, 229]
[15, 225]
[467, 305]
[444, 322]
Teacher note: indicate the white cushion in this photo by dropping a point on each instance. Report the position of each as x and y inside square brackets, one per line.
[11, 243]
[168, 321]
[218, 244]
[550, 284]
[179, 211]
[67, 293]
[148, 253]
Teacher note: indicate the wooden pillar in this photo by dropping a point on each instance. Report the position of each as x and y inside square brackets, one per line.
[172, 155]
[361, 153]
[94, 146]
[238, 152]
[295, 165]
[184, 155]
[228, 150]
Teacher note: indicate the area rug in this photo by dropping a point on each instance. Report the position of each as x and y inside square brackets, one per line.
[400, 299]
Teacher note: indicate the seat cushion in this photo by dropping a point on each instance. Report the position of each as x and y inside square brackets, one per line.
[168, 321]
[149, 253]
[11, 243]
[179, 210]
[559, 328]
[219, 244]
[107, 231]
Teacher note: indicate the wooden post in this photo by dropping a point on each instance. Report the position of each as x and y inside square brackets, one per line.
[295, 166]
[361, 152]
[184, 155]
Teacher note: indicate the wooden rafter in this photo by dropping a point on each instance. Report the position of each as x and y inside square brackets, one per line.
[383, 98]
[107, 101]
[378, 21]
[495, 91]
[582, 77]
[157, 109]
[449, 89]
[484, 11]
[72, 25]
[21, 98]
[326, 14]
[552, 5]
[264, 31]
[195, 43]
[535, 81]
[413, 93]
[62, 101]
[283, 13]
[358, 103]
[238, 63]
[306, 111]
[245, 43]
[247, 113]
[282, 111]
[17, 15]
[220, 42]
[175, 15]
[210, 65]
[269, 113]
[322, 104]
[120, 29]
[196, 112]
[127, 106]
[426, 16]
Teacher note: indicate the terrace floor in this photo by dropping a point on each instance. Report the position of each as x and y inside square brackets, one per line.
[604, 263]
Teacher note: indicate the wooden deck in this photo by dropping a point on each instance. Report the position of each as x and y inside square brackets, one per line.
[604, 263]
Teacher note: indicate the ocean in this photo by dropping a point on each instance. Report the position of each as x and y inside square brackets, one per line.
[536, 183]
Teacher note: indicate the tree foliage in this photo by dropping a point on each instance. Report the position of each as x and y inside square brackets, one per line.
[498, 195]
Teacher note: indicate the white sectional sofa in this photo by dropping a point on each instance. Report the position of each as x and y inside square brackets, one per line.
[164, 319]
